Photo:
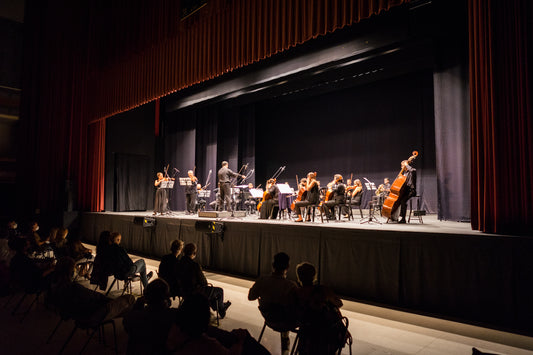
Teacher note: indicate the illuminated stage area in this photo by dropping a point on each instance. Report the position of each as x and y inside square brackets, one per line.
[437, 268]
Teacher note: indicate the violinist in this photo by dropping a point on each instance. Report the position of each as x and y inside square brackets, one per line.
[191, 192]
[355, 193]
[408, 190]
[312, 196]
[161, 196]
[336, 189]
[267, 207]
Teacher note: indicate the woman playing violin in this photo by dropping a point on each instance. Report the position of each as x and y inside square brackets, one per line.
[161, 198]
[312, 196]
[270, 200]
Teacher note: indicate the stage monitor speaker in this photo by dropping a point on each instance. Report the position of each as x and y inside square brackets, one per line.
[148, 222]
[138, 220]
[209, 226]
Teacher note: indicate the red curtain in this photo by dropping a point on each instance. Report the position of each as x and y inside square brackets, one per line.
[501, 115]
[93, 196]
[88, 60]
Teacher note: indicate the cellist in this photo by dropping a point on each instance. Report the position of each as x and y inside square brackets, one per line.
[337, 190]
[311, 198]
[267, 207]
[408, 190]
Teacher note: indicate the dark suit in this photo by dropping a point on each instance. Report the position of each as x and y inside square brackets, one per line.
[224, 183]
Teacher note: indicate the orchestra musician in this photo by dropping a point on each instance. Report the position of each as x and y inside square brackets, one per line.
[312, 196]
[161, 194]
[409, 188]
[337, 190]
[383, 189]
[267, 207]
[382, 192]
[354, 194]
[224, 183]
[249, 201]
[191, 192]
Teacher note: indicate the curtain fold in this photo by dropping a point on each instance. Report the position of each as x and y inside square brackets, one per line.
[501, 115]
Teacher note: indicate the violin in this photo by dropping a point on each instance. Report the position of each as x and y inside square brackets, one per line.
[391, 203]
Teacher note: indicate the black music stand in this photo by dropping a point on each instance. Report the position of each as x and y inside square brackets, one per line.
[167, 186]
[370, 186]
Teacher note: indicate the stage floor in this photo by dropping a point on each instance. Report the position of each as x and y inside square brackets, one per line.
[430, 223]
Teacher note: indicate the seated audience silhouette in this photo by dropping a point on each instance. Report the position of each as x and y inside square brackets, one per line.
[80, 303]
[121, 263]
[189, 333]
[317, 309]
[149, 322]
[192, 280]
[274, 295]
[31, 274]
[168, 268]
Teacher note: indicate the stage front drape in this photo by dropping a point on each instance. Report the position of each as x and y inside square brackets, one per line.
[501, 78]
[484, 279]
[88, 60]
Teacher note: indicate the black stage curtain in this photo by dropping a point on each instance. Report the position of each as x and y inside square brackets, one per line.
[180, 144]
[131, 182]
[365, 130]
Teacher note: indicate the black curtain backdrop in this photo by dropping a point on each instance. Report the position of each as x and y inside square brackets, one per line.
[180, 144]
[131, 182]
[366, 130]
[131, 136]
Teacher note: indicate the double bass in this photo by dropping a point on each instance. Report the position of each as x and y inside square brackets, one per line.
[391, 203]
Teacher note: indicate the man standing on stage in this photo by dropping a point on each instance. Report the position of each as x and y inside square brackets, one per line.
[224, 183]
[191, 191]
[408, 189]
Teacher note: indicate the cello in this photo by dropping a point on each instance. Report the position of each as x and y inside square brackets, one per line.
[301, 195]
[266, 194]
[391, 203]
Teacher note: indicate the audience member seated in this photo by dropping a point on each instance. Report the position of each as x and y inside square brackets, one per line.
[59, 244]
[317, 308]
[12, 230]
[274, 295]
[168, 268]
[34, 236]
[192, 280]
[121, 263]
[80, 303]
[189, 333]
[29, 273]
[149, 322]
[76, 249]
[102, 267]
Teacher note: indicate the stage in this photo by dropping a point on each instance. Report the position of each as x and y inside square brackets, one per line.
[439, 268]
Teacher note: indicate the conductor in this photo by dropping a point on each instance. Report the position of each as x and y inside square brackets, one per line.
[224, 183]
